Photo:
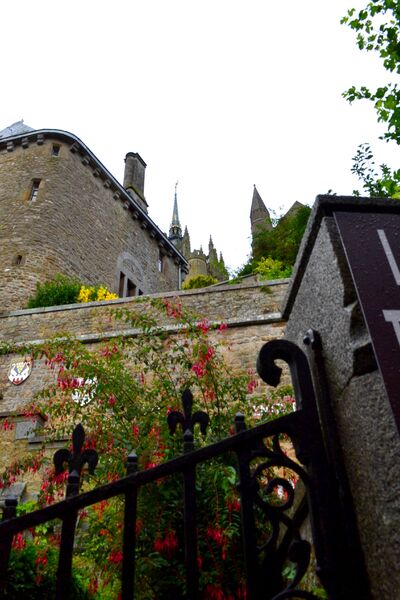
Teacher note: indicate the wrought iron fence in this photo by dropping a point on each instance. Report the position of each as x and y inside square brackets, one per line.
[257, 450]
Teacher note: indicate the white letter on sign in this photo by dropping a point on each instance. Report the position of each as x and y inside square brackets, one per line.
[389, 256]
[393, 316]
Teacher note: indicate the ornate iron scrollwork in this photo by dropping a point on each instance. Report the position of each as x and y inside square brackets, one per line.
[273, 509]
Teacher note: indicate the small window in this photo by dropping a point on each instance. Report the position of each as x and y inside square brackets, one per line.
[160, 263]
[55, 150]
[140, 293]
[34, 190]
[18, 260]
[126, 287]
[130, 288]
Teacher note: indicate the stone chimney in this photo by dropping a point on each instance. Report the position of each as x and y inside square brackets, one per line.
[134, 177]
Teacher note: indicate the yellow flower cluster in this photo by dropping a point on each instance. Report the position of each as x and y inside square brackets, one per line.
[104, 294]
[91, 294]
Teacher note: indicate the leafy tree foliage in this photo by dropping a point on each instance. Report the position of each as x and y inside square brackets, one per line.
[376, 183]
[378, 30]
[282, 242]
[268, 268]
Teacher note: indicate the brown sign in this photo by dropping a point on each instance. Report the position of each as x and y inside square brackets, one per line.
[372, 245]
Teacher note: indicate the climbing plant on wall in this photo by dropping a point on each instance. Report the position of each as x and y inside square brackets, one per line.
[122, 392]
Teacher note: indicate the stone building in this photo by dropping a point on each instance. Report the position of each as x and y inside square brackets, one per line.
[63, 212]
[199, 262]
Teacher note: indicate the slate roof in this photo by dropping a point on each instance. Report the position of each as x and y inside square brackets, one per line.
[257, 204]
[15, 129]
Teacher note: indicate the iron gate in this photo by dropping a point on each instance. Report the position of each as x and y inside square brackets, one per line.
[326, 502]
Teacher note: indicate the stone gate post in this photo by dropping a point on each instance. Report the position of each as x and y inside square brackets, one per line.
[346, 285]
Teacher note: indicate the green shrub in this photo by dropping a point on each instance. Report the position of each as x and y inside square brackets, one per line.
[32, 574]
[268, 268]
[200, 281]
[60, 290]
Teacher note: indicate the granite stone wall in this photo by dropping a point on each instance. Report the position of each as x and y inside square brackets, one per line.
[75, 225]
[322, 296]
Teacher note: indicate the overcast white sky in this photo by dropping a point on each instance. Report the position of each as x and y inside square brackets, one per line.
[218, 94]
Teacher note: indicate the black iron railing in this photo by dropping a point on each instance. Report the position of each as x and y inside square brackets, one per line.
[257, 450]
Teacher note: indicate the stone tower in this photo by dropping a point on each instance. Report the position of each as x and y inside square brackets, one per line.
[259, 215]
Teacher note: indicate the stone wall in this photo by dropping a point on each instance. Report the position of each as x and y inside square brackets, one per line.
[76, 225]
[322, 296]
[250, 311]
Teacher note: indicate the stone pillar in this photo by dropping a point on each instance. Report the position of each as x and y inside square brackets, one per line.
[323, 296]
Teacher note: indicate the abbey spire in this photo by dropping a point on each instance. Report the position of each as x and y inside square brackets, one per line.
[175, 230]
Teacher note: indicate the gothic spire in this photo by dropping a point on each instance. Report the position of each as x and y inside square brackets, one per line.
[175, 231]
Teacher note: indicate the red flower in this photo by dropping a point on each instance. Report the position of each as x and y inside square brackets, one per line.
[251, 386]
[18, 542]
[215, 533]
[112, 400]
[203, 325]
[41, 560]
[210, 394]
[209, 354]
[173, 309]
[222, 327]
[167, 546]
[115, 557]
[198, 369]
[233, 505]
[214, 592]
[93, 585]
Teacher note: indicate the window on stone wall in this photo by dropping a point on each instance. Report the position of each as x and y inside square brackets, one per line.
[55, 149]
[121, 288]
[126, 286]
[130, 288]
[18, 260]
[160, 263]
[34, 190]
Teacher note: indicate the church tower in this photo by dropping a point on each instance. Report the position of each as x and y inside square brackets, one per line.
[200, 263]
